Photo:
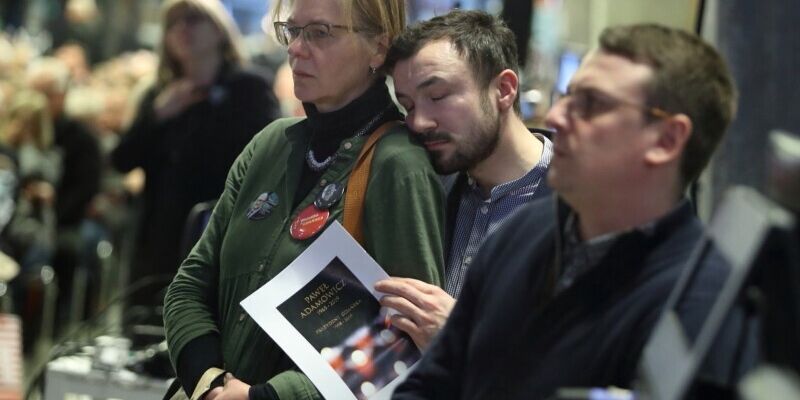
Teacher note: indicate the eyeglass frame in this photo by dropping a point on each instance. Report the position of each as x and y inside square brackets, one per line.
[285, 41]
[655, 112]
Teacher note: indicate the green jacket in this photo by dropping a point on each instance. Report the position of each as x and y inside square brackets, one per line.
[403, 225]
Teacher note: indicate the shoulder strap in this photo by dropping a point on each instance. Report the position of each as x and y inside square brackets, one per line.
[357, 185]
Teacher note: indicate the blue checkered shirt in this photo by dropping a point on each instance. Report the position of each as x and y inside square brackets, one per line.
[479, 216]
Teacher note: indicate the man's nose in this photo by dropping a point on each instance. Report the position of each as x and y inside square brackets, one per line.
[557, 117]
[420, 122]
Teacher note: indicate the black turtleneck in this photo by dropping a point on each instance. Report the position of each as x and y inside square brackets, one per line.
[328, 130]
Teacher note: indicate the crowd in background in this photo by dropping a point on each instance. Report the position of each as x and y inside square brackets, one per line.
[60, 118]
[63, 207]
[104, 160]
[74, 217]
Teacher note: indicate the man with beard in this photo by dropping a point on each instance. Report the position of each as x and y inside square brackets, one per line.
[568, 291]
[456, 76]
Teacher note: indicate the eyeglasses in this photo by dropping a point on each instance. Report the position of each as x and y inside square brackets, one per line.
[315, 33]
[589, 103]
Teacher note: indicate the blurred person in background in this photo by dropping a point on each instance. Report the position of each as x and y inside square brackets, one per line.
[27, 138]
[420, 10]
[7, 90]
[336, 51]
[73, 55]
[16, 53]
[191, 124]
[30, 169]
[105, 101]
[284, 90]
[80, 175]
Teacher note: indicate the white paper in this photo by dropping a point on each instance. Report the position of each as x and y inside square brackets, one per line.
[284, 291]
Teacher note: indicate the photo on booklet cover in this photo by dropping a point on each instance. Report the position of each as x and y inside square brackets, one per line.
[345, 323]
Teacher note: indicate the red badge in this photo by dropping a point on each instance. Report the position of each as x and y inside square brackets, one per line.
[308, 222]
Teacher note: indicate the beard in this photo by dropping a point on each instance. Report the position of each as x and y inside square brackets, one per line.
[473, 147]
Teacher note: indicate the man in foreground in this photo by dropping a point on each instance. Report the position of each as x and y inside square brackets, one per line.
[568, 291]
[457, 77]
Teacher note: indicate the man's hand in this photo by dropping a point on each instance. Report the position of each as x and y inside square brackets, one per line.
[423, 307]
[233, 389]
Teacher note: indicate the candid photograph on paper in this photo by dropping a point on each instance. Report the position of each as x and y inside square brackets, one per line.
[323, 311]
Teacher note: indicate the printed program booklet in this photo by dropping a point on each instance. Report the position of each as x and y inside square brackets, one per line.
[323, 311]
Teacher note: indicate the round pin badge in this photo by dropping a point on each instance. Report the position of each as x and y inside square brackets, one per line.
[262, 206]
[308, 222]
[329, 195]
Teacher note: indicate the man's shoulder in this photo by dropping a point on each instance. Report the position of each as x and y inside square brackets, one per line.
[523, 230]
[543, 210]
[514, 259]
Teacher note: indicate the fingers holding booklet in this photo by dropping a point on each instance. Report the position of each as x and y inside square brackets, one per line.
[422, 308]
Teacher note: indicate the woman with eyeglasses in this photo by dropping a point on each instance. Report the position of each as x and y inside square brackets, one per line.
[203, 109]
[298, 170]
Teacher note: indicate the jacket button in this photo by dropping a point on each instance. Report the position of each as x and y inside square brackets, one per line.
[348, 145]
[260, 267]
[323, 183]
[241, 317]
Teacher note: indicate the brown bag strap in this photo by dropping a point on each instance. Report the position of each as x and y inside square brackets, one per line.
[357, 185]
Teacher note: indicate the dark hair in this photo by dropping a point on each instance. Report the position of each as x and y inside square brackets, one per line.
[485, 42]
[689, 77]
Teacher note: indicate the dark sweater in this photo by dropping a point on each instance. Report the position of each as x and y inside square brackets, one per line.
[509, 338]
[80, 180]
[186, 160]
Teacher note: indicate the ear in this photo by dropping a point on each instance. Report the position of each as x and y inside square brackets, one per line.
[674, 133]
[507, 88]
[379, 49]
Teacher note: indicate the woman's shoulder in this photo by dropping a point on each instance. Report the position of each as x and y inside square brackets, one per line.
[398, 145]
[398, 141]
[269, 143]
[276, 134]
[279, 129]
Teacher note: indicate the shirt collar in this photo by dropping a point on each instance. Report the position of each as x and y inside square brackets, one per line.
[532, 177]
[648, 229]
